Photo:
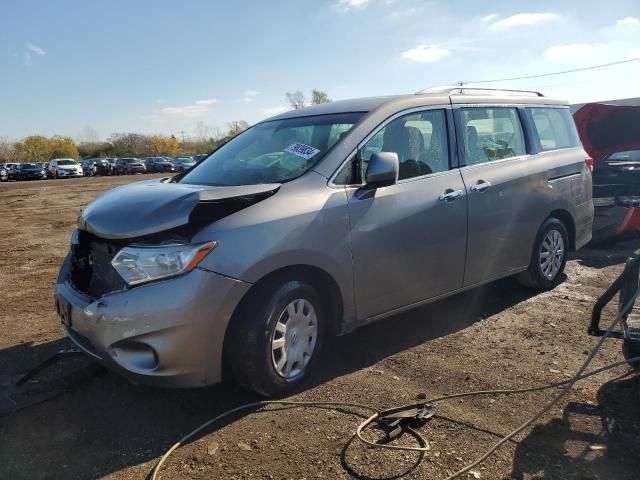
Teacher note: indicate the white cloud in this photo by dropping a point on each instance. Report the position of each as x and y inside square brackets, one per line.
[627, 21]
[208, 101]
[249, 95]
[271, 111]
[522, 20]
[488, 18]
[346, 5]
[37, 50]
[426, 53]
[199, 108]
[559, 53]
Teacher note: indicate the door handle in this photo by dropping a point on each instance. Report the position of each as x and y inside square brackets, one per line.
[480, 187]
[450, 195]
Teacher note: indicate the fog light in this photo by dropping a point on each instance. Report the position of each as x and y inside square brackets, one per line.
[134, 356]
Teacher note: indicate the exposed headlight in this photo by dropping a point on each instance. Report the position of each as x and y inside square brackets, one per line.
[143, 264]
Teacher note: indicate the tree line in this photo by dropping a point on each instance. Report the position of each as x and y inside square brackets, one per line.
[38, 148]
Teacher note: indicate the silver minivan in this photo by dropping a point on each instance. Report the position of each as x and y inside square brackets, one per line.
[318, 221]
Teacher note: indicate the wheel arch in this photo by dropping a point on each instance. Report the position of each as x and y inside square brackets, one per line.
[317, 277]
[569, 223]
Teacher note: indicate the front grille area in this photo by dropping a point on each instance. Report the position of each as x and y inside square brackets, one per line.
[91, 270]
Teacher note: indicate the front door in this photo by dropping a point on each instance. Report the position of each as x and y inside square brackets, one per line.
[409, 239]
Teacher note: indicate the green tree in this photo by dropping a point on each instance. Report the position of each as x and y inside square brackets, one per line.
[34, 148]
[318, 96]
[62, 147]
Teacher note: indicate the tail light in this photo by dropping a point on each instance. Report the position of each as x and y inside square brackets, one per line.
[589, 161]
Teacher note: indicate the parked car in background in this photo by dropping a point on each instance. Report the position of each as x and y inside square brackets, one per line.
[10, 172]
[89, 167]
[105, 166]
[183, 164]
[611, 135]
[129, 166]
[199, 157]
[31, 171]
[318, 221]
[64, 168]
[159, 164]
[616, 194]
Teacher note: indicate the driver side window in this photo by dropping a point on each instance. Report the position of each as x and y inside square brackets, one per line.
[419, 139]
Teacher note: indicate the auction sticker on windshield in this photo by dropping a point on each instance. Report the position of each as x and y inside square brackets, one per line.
[302, 150]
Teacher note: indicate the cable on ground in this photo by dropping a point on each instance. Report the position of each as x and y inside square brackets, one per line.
[567, 384]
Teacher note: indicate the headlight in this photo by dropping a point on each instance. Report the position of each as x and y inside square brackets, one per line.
[143, 264]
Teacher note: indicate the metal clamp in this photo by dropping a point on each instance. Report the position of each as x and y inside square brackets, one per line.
[396, 421]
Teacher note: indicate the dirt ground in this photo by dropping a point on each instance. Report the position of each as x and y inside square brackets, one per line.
[498, 336]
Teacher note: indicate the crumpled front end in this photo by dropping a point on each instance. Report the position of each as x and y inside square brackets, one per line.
[164, 331]
[168, 333]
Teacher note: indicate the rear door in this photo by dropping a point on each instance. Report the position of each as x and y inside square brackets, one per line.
[409, 239]
[495, 175]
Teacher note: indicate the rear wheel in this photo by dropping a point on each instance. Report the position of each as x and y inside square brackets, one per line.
[276, 337]
[549, 257]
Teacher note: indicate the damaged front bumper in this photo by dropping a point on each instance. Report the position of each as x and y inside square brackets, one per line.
[168, 333]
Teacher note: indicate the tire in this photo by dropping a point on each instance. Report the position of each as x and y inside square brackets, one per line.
[536, 276]
[57, 176]
[631, 349]
[256, 343]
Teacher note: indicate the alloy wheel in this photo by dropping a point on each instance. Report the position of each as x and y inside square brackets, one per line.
[551, 254]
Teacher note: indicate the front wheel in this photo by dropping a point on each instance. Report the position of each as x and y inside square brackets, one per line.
[549, 257]
[275, 340]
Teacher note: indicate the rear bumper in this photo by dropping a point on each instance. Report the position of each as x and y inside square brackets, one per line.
[584, 224]
[168, 333]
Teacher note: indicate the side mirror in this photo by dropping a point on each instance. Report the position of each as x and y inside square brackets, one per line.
[382, 169]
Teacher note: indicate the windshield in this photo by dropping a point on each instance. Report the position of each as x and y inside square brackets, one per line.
[272, 152]
[131, 160]
[29, 165]
[66, 162]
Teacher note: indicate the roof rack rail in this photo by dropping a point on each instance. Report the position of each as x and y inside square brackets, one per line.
[462, 89]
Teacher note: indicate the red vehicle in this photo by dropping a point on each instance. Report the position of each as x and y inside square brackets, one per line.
[611, 136]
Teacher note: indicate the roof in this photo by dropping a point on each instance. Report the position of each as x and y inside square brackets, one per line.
[365, 104]
[435, 96]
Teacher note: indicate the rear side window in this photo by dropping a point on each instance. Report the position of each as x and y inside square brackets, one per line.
[491, 133]
[555, 128]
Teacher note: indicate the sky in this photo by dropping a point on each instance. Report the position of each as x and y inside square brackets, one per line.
[159, 66]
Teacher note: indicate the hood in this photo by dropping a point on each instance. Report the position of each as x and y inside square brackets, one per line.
[69, 167]
[605, 129]
[150, 207]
